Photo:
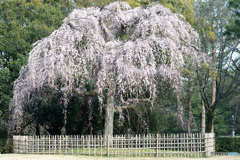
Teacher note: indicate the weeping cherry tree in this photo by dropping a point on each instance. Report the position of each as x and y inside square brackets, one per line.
[121, 53]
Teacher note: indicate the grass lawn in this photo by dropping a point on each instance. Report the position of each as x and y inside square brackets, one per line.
[132, 152]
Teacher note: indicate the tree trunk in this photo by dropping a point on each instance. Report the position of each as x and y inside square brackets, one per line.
[109, 119]
[90, 116]
[180, 114]
[110, 109]
[234, 120]
[203, 121]
[65, 104]
[213, 83]
[210, 118]
[37, 129]
[210, 113]
[190, 107]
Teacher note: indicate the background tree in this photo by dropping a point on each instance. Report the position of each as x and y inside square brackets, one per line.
[22, 23]
[233, 27]
[184, 7]
[212, 27]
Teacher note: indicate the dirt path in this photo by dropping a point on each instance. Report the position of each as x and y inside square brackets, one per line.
[70, 157]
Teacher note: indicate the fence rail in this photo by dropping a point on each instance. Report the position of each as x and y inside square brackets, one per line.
[151, 145]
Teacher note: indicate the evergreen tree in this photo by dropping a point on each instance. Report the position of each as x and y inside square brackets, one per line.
[233, 28]
[22, 23]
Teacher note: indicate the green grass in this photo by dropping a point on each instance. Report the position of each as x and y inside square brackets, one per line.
[119, 152]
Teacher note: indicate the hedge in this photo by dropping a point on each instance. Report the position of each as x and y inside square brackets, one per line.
[227, 144]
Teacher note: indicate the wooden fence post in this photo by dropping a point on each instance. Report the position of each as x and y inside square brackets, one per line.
[77, 145]
[108, 145]
[49, 144]
[26, 144]
[171, 144]
[15, 150]
[157, 146]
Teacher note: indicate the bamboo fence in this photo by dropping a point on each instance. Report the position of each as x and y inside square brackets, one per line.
[150, 145]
